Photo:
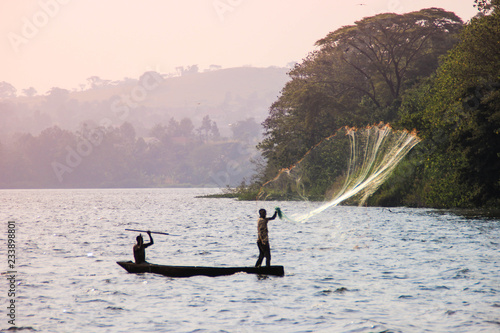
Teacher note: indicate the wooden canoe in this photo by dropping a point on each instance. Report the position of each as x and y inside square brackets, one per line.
[186, 271]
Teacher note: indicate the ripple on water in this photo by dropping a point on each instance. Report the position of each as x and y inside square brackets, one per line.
[352, 269]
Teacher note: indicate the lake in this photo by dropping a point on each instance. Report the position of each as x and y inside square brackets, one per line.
[349, 269]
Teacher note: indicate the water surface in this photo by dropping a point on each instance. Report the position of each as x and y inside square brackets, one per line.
[349, 269]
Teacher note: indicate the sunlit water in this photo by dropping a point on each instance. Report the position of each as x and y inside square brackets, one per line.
[351, 269]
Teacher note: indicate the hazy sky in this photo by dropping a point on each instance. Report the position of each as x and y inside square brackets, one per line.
[60, 43]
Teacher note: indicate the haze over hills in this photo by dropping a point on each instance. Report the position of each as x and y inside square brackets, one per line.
[226, 95]
[190, 129]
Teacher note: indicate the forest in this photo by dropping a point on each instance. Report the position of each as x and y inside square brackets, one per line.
[424, 70]
[173, 155]
[190, 128]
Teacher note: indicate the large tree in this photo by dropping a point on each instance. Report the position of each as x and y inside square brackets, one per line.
[386, 50]
[356, 77]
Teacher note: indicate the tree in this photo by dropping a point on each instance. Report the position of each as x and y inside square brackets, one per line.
[459, 118]
[215, 130]
[355, 78]
[173, 127]
[214, 67]
[95, 82]
[186, 127]
[486, 6]
[385, 50]
[158, 131]
[7, 90]
[127, 132]
[193, 69]
[205, 128]
[246, 130]
[30, 92]
[208, 129]
[57, 96]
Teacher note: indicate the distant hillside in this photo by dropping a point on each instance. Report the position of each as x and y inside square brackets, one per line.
[210, 88]
[226, 95]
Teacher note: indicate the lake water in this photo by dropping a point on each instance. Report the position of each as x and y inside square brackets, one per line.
[349, 269]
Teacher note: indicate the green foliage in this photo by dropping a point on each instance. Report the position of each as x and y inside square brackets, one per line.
[457, 114]
[357, 77]
[486, 6]
[386, 50]
[420, 71]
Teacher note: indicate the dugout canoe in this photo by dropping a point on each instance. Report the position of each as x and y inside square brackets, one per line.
[187, 271]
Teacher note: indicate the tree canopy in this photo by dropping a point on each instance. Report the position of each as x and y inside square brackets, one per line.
[356, 77]
[459, 118]
[423, 70]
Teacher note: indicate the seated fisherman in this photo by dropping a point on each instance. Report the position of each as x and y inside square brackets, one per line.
[140, 248]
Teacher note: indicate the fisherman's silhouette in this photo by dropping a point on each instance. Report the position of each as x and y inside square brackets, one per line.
[140, 248]
[262, 238]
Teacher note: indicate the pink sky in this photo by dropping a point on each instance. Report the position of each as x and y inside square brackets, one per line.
[60, 43]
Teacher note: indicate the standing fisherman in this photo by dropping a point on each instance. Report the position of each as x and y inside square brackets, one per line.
[140, 248]
[262, 237]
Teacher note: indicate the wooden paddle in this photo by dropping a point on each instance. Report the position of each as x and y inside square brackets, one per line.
[153, 232]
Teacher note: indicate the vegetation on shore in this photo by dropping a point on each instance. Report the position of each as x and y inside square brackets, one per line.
[424, 70]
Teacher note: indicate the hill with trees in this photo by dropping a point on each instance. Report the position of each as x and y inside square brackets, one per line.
[227, 95]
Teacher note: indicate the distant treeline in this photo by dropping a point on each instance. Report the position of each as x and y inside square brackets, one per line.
[425, 70]
[227, 95]
[173, 154]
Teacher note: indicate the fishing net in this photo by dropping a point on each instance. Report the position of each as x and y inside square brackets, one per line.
[349, 165]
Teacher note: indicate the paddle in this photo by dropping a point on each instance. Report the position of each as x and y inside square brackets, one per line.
[153, 232]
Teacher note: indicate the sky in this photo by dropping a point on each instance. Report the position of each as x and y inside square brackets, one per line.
[61, 43]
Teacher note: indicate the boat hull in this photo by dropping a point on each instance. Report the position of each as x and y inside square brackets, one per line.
[187, 271]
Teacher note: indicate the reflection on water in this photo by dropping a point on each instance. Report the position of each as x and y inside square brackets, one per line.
[478, 214]
[352, 269]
